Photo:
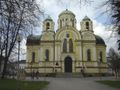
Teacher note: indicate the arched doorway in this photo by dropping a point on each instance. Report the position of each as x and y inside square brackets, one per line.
[68, 64]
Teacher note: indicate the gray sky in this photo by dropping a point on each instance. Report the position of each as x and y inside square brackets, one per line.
[93, 10]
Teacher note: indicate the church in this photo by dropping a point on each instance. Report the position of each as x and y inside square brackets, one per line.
[67, 50]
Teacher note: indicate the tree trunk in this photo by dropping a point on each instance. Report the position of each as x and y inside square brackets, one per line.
[4, 68]
[0, 63]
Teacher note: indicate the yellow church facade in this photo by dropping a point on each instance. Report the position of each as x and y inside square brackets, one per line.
[67, 50]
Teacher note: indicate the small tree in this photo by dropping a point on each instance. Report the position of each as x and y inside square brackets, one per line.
[114, 61]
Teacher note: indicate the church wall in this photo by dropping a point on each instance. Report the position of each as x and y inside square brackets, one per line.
[103, 49]
[78, 57]
[47, 67]
[90, 66]
[78, 51]
[90, 46]
[31, 49]
[57, 51]
[103, 64]
[44, 47]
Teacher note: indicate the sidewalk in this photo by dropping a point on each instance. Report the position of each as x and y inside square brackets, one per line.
[78, 84]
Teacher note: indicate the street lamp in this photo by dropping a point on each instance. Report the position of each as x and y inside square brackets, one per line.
[54, 51]
[19, 39]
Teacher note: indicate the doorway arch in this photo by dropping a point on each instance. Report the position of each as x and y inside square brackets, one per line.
[68, 64]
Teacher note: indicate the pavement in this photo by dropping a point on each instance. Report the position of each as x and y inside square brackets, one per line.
[76, 83]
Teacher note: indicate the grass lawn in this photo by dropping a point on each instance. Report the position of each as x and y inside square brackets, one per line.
[23, 85]
[115, 84]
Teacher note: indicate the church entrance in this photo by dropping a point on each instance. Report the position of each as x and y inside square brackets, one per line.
[68, 64]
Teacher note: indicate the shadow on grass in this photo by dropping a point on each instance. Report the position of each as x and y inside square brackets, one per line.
[10, 84]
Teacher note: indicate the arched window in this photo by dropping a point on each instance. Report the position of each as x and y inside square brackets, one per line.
[101, 56]
[66, 19]
[88, 55]
[63, 24]
[60, 23]
[87, 25]
[47, 25]
[65, 45]
[72, 22]
[47, 55]
[67, 35]
[33, 57]
[70, 45]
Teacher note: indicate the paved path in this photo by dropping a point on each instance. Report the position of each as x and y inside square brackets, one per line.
[76, 84]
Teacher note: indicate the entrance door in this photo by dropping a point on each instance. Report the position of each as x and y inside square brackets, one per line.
[68, 64]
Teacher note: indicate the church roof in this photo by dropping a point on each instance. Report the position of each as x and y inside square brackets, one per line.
[86, 18]
[66, 12]
[48, 19]
[99, 40]
[33, 39]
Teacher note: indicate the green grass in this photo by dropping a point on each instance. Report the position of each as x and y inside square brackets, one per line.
[115, 84]
[23, 85]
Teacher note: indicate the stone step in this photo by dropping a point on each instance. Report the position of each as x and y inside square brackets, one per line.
[68, 75]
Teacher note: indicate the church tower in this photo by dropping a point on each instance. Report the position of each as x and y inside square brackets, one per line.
[66, 18]
[48, 24]
[86, 24]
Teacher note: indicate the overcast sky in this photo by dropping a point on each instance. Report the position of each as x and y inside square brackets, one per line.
[93, 10]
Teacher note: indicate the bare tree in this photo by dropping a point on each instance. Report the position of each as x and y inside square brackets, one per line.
[78, 2]
[114, 61]
[113, 9]
[16, 17]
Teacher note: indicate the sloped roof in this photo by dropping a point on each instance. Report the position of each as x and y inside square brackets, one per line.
[33, 39]
[86, 18]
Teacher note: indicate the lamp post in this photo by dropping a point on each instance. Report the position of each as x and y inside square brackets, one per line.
[19, 39]
[54, 51]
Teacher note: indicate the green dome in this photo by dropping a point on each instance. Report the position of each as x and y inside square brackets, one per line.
[33, 39]
[99, 40]
[66, 12]
[48, 19]
[86, 18]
